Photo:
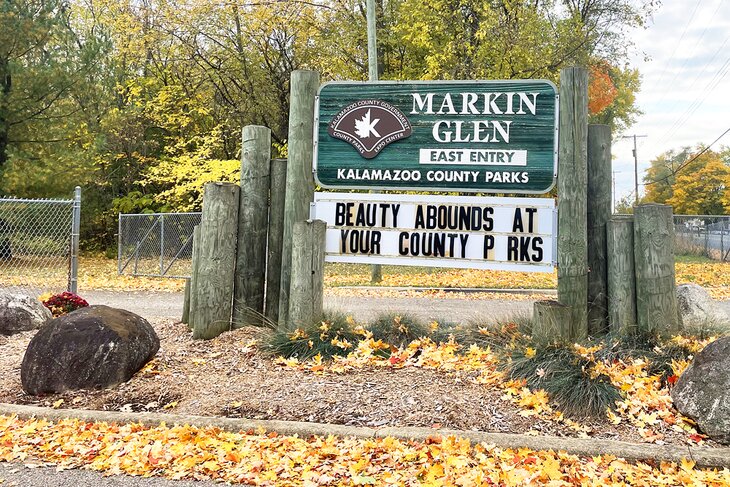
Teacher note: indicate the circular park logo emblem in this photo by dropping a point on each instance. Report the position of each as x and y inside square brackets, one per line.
[369, 126]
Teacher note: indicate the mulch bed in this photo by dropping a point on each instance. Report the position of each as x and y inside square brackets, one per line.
[228, 376]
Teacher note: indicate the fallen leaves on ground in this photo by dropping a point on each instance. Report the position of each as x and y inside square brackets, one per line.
[186, 452]
[646, 404]
[99, 273]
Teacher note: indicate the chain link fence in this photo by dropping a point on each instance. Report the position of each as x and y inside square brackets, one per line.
[156, 244]
[39, 244]
[703, 235]
[161, 244]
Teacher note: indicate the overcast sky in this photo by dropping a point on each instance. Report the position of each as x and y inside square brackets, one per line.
[685, 93]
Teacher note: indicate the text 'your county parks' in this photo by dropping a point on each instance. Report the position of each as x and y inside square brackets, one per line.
[456, 231]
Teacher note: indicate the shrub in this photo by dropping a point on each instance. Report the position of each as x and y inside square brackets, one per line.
[63, 303]
[397, 329]
[336, 334]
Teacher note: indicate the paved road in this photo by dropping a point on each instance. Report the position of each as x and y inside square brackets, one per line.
[155, 305]
[18, 475]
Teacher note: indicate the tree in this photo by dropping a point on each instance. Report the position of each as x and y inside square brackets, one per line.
[702, 187]
[694, 182]
[43, 64]
[660, 178]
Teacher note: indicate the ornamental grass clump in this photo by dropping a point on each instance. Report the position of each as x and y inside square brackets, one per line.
[567, 378]
[64, 303]
[335, 334]
[398, 330]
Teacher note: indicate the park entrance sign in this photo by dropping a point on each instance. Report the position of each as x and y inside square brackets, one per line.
[473, 232]
[467, 136]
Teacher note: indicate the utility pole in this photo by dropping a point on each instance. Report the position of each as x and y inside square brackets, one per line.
[372, 42]
[613, 193]
[376, 271]
[636, 167]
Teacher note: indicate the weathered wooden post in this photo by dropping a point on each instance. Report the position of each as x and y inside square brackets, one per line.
[598, 212]
[550, 322]
[305, 300]
[621, 274]
[277, 195]
[656, 298]
[216, 260]
[299, 180]
[193, 300]
[572, 186]
[253, 214]
[186, 303]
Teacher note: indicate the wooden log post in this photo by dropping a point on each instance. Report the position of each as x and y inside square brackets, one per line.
[277, 195]
[186, 303]
[299, 180]
[550, 322]
[621, 274]
[253, 215]
[216, 260]
[656, 298]
[572, 186]
[194, 277]
[598, 213]
[305, 301]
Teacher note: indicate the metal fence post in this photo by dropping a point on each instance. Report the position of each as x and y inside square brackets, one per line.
[162, 245]
[119, 247]
[75, 229]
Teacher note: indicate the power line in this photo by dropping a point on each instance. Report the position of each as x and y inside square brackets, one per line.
[685, 164]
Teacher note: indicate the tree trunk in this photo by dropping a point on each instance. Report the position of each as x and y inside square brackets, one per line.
[6, 82]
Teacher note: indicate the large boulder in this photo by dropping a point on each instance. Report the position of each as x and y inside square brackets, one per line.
[703, 391]
[695, 305]
[91, 348]
[21, 313]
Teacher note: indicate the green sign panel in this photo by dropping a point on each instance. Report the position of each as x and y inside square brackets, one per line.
[476, 136]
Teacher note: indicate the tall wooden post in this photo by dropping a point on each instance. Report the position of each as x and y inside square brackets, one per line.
[305, 302]
[277, 195]
[621, 274]
[656, 298]
[572, 185]
[299, 180]
[216, 260]
[193, 300]
[599, 212]
[253, 215]
[186, 303]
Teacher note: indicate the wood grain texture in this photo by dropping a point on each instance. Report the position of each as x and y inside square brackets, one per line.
[216, 260]
[551, 322]
[299, 178]
[186, 303]
[305, 304]
[194, 277]
[598, 213]
[572, 188]
[277, 196]
[621, 274]
[253, 215]
[656, 298]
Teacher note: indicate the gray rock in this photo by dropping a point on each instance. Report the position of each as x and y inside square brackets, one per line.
[695, 305]
[703, 390]
[21, 313]
[91, 348]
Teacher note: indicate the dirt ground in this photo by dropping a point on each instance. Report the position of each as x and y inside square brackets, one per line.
[230, 376]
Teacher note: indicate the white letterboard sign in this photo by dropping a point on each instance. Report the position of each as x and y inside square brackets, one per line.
[513, 234]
